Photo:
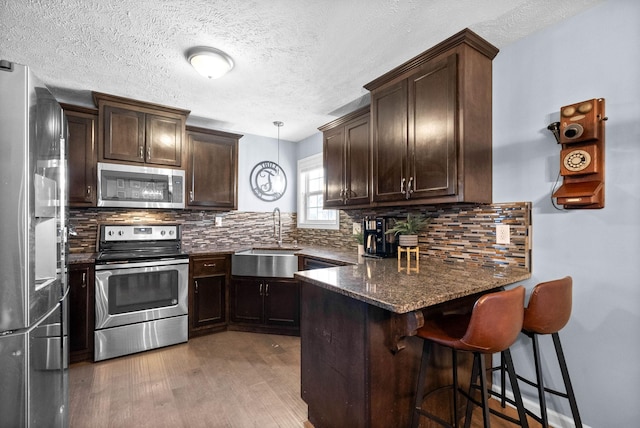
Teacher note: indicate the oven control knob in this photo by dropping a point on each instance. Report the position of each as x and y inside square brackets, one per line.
[120, 233]
[162, 232]
[171, 232]
[110, 233]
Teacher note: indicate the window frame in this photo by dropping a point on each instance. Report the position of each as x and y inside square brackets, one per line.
[305, 165]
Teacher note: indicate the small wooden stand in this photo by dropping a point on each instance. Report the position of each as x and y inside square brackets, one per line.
[408, 251]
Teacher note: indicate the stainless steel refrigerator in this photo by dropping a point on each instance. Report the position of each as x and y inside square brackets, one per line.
[33, 285]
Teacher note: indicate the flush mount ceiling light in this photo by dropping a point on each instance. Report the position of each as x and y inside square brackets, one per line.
[210, 62]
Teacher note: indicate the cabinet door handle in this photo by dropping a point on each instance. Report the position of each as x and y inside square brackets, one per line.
[209, 265]
[148, 153]
[410, 187]
[266, 290]
[191, 196]
[89, 191]
[141, 152]
[261, 289]
[84, 279]
[402, 183]
[196, 283]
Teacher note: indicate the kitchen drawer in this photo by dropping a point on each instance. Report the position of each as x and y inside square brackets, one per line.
[207, 266]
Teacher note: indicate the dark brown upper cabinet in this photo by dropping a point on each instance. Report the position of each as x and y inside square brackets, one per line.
[132, 131]
[431, 126]
[212, 169]
[81, 155]
[346, 158]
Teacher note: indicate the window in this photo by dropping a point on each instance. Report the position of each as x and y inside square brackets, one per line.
[310, 197]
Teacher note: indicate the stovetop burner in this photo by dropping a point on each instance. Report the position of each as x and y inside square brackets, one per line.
[129, 243]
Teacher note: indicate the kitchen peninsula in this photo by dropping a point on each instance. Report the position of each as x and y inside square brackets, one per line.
[359, 363]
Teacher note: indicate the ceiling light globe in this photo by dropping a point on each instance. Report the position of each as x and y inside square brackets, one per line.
[210, 62]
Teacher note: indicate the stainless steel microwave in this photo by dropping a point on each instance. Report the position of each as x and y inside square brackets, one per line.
[132, 186]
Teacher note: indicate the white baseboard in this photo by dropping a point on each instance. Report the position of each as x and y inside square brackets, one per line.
[556, 419]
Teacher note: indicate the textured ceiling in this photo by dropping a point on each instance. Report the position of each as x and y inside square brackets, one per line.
[302, 62]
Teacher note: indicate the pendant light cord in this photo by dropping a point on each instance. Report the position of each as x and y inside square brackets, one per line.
[278, 124]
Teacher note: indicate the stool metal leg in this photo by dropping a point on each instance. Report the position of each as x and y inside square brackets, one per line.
[541, 396]
[503, 401]
[567, 381]
[483, 386]
[422, 378]
[474, 375]
[479, 369]
[508, 363]
[454, 362]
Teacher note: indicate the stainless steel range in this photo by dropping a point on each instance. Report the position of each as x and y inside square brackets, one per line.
[141, 289]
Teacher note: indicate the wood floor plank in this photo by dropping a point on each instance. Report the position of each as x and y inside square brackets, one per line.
[226, 380]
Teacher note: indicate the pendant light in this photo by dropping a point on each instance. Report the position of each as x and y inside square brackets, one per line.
[278, 180]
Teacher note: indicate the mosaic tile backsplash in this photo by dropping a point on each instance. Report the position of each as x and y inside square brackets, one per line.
[463, 232]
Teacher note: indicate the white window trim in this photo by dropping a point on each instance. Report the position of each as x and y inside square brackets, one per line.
[306, 164]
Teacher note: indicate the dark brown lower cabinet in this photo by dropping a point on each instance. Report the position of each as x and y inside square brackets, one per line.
[268, 305]
[353, 375]
[81, 312]
[208, 294]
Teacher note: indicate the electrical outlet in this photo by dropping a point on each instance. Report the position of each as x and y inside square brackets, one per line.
[357, 228]
[218, 221]
[503, 234]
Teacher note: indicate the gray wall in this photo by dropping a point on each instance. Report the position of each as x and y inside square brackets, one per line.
[593, 55]
[253, 149]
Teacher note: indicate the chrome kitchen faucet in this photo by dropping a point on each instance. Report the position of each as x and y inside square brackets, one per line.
[277, 235]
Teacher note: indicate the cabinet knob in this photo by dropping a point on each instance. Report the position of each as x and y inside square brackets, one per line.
[196, 284]
[84, 279]
[402, 183]
[266, 290]
[261, 289]
[89, 191]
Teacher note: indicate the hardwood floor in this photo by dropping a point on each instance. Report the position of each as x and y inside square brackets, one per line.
[229, 379]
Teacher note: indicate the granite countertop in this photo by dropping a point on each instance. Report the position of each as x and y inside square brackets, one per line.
[81, 258]
[214, 249]
[330, 254]
[378, 282]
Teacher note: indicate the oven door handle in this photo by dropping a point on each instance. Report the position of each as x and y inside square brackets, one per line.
[132, 265]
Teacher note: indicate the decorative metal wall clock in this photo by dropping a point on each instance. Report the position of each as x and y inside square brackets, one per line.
[268, 181]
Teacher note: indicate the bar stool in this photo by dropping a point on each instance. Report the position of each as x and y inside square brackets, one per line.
[492, 326]
[547, 312]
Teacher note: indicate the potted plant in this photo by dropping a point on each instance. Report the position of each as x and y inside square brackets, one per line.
[408, 229]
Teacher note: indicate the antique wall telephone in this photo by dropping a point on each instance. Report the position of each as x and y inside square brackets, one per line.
[581, 133]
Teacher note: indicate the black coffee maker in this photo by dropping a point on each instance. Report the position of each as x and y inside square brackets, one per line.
[377, 242]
